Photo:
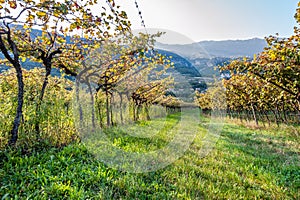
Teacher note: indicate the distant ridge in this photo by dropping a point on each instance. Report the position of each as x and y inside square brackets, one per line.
[224, 48]
[205, 55]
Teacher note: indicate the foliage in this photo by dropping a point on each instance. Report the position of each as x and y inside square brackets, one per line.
[213, 99]
[278, 66]
[266, 88]
[129, 73]
[56, 119]
[57, 19]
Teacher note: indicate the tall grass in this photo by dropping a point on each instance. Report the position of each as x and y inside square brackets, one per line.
[245, 164]
[55, 118]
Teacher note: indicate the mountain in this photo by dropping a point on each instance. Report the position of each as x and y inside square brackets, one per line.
[208, 49]
[205, 55]
[184, 72]
[181, 65]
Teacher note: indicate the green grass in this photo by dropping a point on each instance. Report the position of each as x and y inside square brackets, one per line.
[245, 164]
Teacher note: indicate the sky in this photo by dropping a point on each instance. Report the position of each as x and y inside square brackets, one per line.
[199, 20]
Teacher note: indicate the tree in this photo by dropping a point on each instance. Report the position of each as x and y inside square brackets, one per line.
[121, 66]
[270, 81]
[278, 64]
[213, 99]
[61, 17]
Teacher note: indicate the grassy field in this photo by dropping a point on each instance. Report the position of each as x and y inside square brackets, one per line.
[244, 164]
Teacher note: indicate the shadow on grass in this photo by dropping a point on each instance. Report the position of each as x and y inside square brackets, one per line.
[266, 153]
[243, 165]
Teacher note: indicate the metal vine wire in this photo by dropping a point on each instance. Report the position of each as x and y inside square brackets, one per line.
[141, 17]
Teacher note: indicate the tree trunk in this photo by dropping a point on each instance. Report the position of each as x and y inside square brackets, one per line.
[98, 107]
[107, 109]
[16, 64]
[111, 110]
[147, 112]
[40, 100]
[254, 114]
[276, 119]
[121, 109]
[261, 118]
[133, 112]
[247, 116]
[79, 103]
[47, 62]
[278, 113]
[92, 104]
[240, 116]
[268, 119]
[284, 114]
[138, 109]
[19, 112]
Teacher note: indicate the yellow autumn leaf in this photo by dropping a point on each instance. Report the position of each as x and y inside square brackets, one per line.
[26, 26]
[47, 41]
[120, 28]
[73, 26]
[97, 46]
[56, 13]
[41, 14]
[273, 56]
[13, 4]
[85, 16]
[254, 57]
[30, 17]
[61, 40]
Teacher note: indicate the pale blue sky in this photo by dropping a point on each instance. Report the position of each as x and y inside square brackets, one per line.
[216, 19]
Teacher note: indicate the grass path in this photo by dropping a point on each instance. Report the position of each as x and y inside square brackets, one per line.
[245, 164]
